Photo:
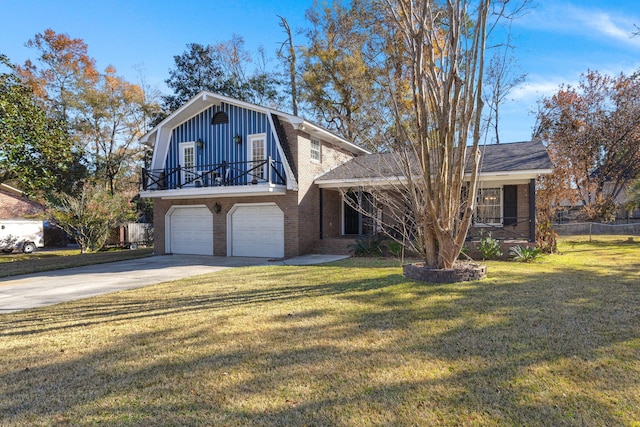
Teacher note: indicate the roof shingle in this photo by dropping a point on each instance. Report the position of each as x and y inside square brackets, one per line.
[511, 157]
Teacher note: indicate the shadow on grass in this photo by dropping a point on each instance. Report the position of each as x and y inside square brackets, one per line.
[336, 346]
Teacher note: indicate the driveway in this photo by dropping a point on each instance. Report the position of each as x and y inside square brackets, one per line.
[41, 289]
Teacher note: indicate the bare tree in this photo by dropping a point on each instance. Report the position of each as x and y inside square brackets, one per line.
[502, 77]
[441, 49]
[425, 186]
[290, 58]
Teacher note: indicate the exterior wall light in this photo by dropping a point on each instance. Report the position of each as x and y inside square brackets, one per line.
[200, 143]
[217, 207]
[237, 139]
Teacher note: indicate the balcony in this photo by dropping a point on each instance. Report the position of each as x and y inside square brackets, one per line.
[222, 179]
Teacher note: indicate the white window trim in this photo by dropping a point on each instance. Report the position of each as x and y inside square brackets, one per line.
[312, 150]
[181, 160]
[250, 139]
[477, 223]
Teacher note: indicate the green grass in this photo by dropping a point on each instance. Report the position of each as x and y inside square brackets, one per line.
[554, 342]
[47, 260]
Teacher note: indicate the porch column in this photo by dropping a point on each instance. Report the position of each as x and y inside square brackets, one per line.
[360, 212]
[532, 210]
[321, 213]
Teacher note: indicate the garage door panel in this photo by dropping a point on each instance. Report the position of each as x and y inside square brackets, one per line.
[257, 231]
[191, 231]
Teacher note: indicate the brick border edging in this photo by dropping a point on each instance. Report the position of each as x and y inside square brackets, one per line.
[464, 272]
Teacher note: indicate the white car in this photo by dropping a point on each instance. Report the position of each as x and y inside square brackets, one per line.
[21, 234]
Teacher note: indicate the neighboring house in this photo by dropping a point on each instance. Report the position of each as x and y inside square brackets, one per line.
[230, 178]
[15, 205]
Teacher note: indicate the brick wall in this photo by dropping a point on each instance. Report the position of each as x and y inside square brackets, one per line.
[308, 193]
[16, 206]
[332, 213]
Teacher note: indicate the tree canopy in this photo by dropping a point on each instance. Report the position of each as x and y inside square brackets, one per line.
[34, 148]
[102, 113]
[342, 71]
[593, 134]
[221, 68]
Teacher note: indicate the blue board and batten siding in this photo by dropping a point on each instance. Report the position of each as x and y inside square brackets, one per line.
[219, 145]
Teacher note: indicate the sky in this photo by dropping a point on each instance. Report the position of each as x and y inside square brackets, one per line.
[555, 41]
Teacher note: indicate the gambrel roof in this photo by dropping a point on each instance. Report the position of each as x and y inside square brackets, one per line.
[159, 136]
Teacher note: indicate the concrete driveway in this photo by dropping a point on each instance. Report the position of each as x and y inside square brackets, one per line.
[41, 289]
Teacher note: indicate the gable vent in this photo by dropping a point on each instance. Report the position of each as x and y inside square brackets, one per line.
[219, 118]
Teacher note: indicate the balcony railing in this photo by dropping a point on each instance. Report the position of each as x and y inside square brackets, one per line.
[215, 175]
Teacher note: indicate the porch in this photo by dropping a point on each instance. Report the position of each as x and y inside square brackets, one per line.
[225, 174]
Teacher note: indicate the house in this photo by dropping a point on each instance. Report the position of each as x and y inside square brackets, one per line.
[230, 178]
[506, 190]
[15, 205]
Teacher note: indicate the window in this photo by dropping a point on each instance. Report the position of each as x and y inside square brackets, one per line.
[316, 153]
[489, 207]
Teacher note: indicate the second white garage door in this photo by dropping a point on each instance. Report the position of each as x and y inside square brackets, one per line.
[191, 230]
[256, 230]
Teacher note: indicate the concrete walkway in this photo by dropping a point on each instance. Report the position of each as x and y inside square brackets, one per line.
[41, 289]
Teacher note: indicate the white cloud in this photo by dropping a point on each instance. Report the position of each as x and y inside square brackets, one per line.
[591, 22]
[537, 87]
[606, 24]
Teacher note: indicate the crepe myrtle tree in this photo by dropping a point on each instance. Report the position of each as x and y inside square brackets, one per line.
[427, 182]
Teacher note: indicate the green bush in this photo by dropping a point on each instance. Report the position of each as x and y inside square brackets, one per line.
[395, 248]
[525, 254]
[367, 246]
[489, 247]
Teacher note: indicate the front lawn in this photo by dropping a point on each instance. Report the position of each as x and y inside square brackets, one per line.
[46, 260]
[555, 342]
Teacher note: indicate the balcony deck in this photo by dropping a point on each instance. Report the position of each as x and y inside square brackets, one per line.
[217, 180]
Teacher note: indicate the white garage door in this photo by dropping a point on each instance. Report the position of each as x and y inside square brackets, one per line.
[191, 231]
[257, 230]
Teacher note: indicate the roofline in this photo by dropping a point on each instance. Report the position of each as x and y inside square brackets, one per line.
[332, 136]
[11, 189]
[301, 123]
[393, 180]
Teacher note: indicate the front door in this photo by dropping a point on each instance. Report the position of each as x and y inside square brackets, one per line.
[362, 220]
[510, 205]
[351, 215]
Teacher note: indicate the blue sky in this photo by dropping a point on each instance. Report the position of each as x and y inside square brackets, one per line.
[555, 41]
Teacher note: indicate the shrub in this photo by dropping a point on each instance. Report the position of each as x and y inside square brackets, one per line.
[395, 248]
[367, 246]
[546, 238]
[525, 253]
[489, 247]
[90, 215]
